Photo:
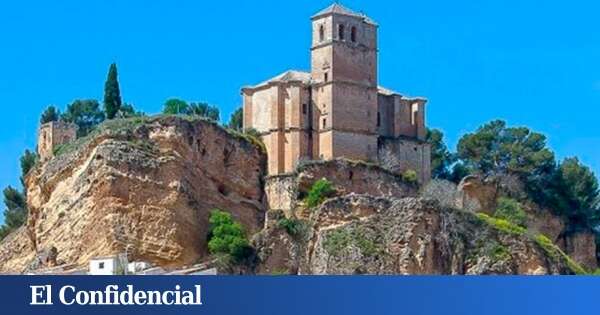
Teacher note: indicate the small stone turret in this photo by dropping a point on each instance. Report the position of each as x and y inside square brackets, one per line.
[53, 134]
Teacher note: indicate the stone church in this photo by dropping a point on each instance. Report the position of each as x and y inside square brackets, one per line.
[338, 109]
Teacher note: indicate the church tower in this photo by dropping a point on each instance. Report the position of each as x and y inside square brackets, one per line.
[344, 90]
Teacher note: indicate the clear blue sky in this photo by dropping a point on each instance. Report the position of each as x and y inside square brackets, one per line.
[535, 64]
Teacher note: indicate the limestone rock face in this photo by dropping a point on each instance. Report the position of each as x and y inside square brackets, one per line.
[362, 234]
[16, 252]
[480, 195]
[581, 246]
[145, 187]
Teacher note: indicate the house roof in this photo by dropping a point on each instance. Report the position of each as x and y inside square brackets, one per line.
[387, 92]
[337, 8]
[287, 76]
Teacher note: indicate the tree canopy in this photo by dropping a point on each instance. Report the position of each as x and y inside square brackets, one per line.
[86, 114]
[227, 236]
[127, 111]
[204, 110]
[441, 158]
[27, 161]
[112, 93]
[574, 193]
[175, 106]
[237, 119]
[495, 148]
[15, 212]
[50, 114]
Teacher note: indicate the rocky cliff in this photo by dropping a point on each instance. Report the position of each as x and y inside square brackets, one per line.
[363, 234]
[144, 186]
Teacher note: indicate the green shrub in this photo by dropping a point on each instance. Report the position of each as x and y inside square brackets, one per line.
[227, 236]
[320, 190]
[511, 210]
[336, 241]
[367, 246]
[499, 252]
[292, 226]
[410, 176]
[502, 225]
[280, 272]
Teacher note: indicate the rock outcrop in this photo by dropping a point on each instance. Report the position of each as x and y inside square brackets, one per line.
[480, 195]
[581, 246]
[145, 186]
[362, 234]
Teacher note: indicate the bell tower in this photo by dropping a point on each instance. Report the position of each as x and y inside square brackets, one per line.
[344, 91]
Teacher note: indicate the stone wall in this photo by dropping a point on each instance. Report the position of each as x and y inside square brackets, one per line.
[400, 155]
[347, 176]
[281, 192]
[53, 134]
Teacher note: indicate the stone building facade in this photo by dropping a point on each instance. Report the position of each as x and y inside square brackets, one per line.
[338, 109]
[53, 134]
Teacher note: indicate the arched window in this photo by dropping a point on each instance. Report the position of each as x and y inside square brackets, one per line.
[321, 33]
[353, 34]
[341, 32]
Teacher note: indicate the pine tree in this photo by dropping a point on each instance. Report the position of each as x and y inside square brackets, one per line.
[112, 93]
[28, 160]
[86, 114]
[15, 213]
[237, 119]
[50, 114]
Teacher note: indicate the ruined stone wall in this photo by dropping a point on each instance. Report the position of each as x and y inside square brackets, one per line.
[399, 155]
[53, 134]
[282, 191]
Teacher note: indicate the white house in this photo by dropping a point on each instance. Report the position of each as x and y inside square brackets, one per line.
[108, 266]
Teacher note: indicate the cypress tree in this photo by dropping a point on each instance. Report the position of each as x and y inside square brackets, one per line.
[112, 93]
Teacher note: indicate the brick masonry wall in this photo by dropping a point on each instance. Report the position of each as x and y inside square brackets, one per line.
[400, 155]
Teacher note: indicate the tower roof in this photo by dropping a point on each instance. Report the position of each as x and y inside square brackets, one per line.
[342, 10]
[286, 77]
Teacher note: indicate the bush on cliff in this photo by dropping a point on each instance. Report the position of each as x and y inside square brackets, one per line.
[293, 227]
[410, 176]
[320, 190]
[227, 236]
[511, 210]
